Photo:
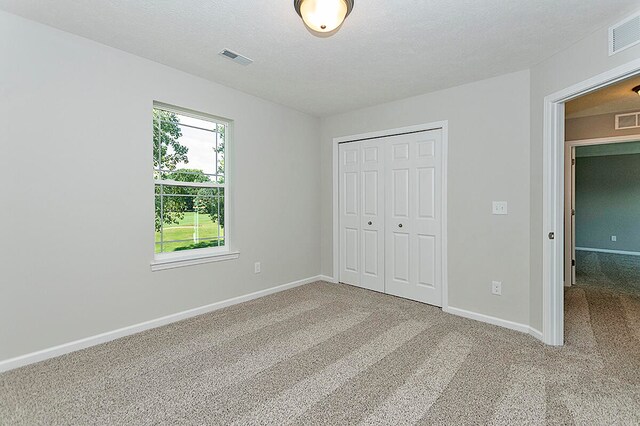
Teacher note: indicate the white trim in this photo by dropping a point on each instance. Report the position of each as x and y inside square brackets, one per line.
[444, 125]
[445, 207]
[327, 279]
[569, 156]
[392, 132]
[511, 325]
[30, 358]
[553, 195]
[199, 115]
[604, 141]
[536, 333]
[336, 214]
[599, 250]
[170, 182]
[162, 262]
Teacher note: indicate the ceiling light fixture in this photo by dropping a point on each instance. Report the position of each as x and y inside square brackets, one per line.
[636, 89]
[323, 17]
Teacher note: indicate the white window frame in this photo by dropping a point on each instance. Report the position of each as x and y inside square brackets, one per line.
[178, 259]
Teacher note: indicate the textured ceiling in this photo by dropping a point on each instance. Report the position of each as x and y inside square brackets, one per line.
[615, 98]
[386, 50]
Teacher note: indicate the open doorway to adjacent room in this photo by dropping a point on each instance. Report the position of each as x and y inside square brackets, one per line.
[602, 214]
[602, 189]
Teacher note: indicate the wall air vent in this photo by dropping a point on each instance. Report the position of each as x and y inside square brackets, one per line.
[628, 121]
[235, 57]
[624, 34]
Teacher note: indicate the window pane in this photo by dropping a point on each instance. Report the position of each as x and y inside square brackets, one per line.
[182, 142]
[188, 149]
[188, 218]
[197, 122]
[201, 148]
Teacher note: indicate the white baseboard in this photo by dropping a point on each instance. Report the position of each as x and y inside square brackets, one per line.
[30, 358]
[523, 328]
[628, 253]
[327, 279]
[536, 333]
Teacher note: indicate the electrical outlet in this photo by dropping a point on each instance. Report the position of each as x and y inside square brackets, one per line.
[256, 268]
[614, 238]
[496, 288]
[499, 207]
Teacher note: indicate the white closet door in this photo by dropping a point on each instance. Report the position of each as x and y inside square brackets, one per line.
[413, 165]
[372, 224]
[350, 215]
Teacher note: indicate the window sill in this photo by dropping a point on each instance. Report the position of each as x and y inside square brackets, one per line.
[193, 259]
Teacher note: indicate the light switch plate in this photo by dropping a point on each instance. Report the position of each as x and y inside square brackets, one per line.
[496, 288]
[256, 268]
[500, 207]
[614, 238]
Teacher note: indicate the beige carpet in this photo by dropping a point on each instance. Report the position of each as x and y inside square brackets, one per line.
[335, 354]
[617, 272]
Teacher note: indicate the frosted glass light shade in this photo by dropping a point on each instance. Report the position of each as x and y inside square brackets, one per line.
[323, 16]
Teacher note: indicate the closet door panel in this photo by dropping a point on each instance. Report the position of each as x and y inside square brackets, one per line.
[400, 249]
[349, 207]
[398, 241]
[372, 221]
[413, 246]
[426, 260]
[428, 255]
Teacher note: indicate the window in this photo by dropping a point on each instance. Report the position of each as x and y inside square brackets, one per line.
[190, 186]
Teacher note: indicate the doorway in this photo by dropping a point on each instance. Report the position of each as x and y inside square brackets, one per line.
[553, 260]
[602, 202]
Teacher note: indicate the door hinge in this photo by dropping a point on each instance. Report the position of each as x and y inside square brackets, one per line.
[573, 212]
[573, 262]
[573, 161]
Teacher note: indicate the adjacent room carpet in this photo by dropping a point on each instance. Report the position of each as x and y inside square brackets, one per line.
[618, 272]
[335, 354]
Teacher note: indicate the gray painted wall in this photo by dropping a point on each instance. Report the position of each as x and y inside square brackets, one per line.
[608, 202]
[488, 160]
[77, 236]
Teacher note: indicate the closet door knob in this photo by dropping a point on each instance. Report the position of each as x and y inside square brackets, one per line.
[370, 223]
[399, 225]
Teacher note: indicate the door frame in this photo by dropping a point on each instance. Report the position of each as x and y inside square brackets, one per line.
[444, 126]
[569, 192]
[553, 196]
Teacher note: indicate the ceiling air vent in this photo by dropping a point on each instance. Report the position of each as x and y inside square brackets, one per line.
[235, 57]
[628, 121]
[624, 34]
